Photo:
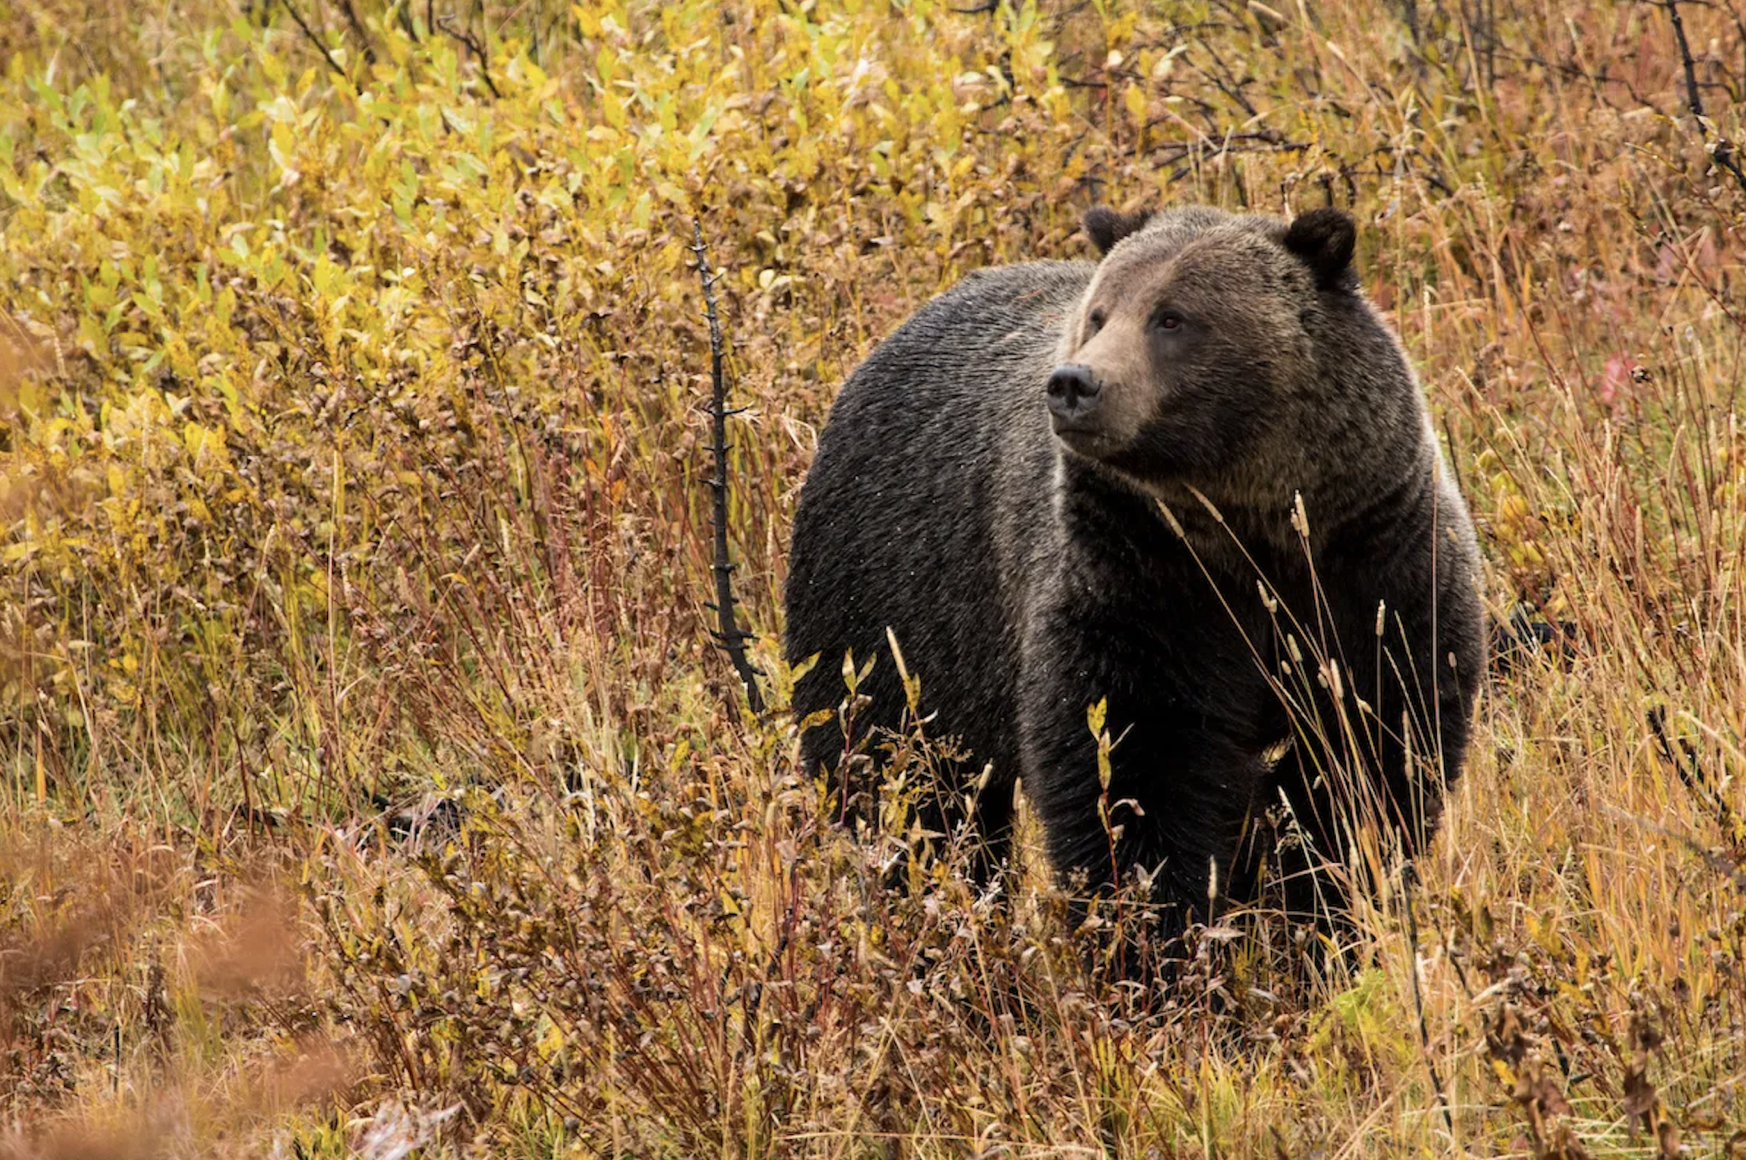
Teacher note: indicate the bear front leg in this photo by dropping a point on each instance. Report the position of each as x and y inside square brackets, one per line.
[1180, 787]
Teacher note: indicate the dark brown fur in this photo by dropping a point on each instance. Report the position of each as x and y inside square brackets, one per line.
[1183, 481]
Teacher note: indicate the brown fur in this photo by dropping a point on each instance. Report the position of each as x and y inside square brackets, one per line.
[988, 489]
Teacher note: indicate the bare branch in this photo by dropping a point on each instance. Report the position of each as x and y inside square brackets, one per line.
[1715, 861]
[730, 638]
[1723, 149]
[309, 34]
[1412, 922]
[447, 24]
[357, 27]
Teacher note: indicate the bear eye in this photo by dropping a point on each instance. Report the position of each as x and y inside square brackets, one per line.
[1168, 321]
[1095, 320]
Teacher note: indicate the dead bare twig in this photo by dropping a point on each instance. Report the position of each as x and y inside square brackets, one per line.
[358, 31]
[1692, 774]
[309, 34]
[1722, 149]
[1715, 861]
[730, 638]
[475, 46]
[1406, 889]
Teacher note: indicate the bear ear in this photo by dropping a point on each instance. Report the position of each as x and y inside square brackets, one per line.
[1105, 226]
[1324, 239]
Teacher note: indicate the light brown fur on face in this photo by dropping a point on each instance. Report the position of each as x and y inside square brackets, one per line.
[1271, 379]
[1116, 354]
[1222, 282]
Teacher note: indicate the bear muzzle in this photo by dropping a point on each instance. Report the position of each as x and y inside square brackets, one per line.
[1074, 394]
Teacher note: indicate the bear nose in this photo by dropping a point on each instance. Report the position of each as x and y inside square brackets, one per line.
[1073, 391]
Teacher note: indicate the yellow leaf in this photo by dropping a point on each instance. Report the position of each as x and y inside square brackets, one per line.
[1135, 100]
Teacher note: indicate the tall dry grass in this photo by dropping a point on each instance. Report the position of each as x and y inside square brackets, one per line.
[370, 779]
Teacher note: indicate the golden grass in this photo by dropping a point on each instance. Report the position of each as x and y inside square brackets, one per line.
[369, 778]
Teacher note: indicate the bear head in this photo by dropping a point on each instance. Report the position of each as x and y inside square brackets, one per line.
[1232, 353]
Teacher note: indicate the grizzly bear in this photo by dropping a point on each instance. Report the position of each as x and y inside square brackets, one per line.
[1193, 483]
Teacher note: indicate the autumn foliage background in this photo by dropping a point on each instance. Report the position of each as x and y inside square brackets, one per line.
[370, 780]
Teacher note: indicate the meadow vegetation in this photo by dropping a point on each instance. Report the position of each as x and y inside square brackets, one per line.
[372, 784]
